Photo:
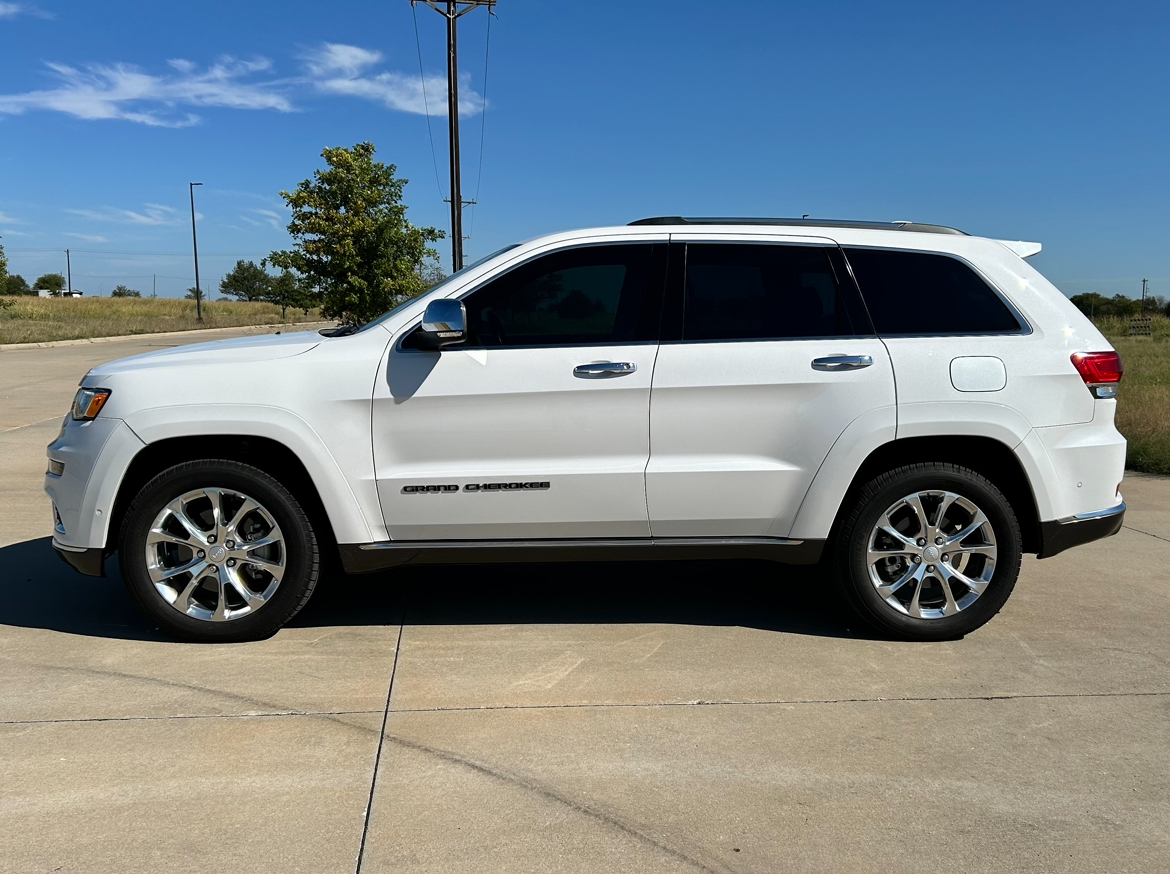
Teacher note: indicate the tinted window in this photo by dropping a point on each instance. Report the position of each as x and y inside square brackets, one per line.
[760, 292]
[919, 293]
[595, 294]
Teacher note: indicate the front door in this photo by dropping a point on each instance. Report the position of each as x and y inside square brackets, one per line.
[537, 427]
[767, 356]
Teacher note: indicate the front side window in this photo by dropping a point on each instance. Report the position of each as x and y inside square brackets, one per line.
[761, 292]
[583, 296]
[927, 294]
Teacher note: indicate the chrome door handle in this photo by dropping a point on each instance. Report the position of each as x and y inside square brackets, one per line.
[607, 368]
[842, 362]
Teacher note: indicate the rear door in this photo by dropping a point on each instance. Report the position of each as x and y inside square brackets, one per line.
[767, 355]
[538, 426]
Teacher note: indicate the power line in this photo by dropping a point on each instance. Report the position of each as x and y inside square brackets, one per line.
[422, 80]
[487, 49]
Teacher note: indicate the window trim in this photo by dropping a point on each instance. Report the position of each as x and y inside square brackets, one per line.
[661, 270]
[674, 306]
[1024, 330]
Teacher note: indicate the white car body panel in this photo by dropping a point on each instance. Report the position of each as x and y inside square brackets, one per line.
[768, 420]
[702, 440]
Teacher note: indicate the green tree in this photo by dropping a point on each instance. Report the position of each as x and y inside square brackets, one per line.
[289, 290]
[124, 291]
[246, 281]
[17, 285]
[192, 294]
[50, 282]
[3, 269]
[352, 240]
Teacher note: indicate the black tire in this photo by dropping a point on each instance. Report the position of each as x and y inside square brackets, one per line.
[852, 544]
[302, 553]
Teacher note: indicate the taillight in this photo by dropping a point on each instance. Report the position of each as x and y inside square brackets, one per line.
[1101, 372]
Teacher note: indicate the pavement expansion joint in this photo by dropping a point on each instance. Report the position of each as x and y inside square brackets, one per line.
[266, 715]
[381, 742]
[783, 702]
[1147, 533]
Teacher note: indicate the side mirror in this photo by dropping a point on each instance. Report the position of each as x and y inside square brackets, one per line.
[444, 323]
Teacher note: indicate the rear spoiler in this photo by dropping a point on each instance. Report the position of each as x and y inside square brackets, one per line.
[1021, 248]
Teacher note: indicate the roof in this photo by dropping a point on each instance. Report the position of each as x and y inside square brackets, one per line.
[799, 223]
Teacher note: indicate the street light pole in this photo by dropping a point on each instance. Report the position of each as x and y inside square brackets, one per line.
[195, 249]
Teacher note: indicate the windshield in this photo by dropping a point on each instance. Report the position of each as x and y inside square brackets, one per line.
[382, 318]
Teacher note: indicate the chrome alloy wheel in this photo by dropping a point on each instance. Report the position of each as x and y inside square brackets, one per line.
[931, 554]
[215, 554]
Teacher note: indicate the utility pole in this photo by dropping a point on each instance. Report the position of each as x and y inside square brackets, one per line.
[154, 285]
[452, 10]
[68, 273]
[1145, 285]
[195, 249]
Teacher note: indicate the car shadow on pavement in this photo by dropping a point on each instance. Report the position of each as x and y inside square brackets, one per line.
[38, 590]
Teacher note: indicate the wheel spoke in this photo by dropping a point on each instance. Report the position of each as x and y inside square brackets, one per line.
[274, 568]
[249, 545]
[183, 599]
[158, 535]
[975, 585]
[195, 567]
[244, 509]
[886, 526]
[914, 502]
[948, 499]
[977, 522]
[988, 549]
[176, 512]
[914, 609]
[220, 613]
[251, 598]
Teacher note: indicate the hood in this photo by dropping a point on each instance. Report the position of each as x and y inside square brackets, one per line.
[264, 347]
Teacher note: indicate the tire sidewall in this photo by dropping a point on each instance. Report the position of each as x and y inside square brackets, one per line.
[877, 498]
[301, 559]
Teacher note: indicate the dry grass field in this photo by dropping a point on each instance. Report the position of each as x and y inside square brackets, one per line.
[1143, 403]
[39, 319]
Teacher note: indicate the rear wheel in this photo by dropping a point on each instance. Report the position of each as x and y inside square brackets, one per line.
[929, 551]
[218, 551]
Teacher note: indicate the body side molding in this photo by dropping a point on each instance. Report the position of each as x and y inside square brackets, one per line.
[368, 557]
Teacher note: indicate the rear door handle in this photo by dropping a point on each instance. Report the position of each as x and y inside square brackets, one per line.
[607, 368]
[842, 362]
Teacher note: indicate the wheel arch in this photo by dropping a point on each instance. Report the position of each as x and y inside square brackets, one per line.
[270, 456]
[986, 456]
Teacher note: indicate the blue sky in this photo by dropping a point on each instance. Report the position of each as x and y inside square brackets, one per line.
[1040, 121]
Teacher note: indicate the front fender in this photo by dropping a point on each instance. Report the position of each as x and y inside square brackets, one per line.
[349, 512]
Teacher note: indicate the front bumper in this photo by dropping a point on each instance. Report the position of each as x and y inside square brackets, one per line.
[1062, 534]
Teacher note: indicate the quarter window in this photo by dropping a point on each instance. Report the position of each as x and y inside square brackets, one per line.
[761, 292]
[584, 296]
[927, 294]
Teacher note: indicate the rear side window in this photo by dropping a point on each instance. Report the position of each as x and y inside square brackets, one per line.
[585, 296]
[920, 293]
[761, 292]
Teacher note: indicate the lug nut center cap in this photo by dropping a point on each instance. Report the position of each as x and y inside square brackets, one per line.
[930, 553]
[218, 554]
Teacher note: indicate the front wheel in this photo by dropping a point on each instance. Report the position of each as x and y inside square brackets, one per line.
[218, 551]
[929, 552]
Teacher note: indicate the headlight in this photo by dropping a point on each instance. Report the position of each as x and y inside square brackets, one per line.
[89, 402]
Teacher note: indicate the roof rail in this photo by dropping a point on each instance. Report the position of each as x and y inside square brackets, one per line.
[799, 223]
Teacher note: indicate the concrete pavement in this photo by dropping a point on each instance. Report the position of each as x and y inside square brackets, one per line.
[669, 717]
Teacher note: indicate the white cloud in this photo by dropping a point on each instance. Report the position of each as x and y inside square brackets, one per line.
[343, 69]
[151, 214]
[9, 220]
[11, 10]
[126, 92]
[268, 216]
[89, 238]
[122, 91]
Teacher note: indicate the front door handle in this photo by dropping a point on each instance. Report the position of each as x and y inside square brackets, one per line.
[606, 368]
[842, 362]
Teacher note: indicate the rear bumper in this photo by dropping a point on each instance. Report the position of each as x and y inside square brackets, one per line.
[1062, 534]
[90, 562]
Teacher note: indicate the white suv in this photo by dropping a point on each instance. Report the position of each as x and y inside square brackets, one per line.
[912, 406]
